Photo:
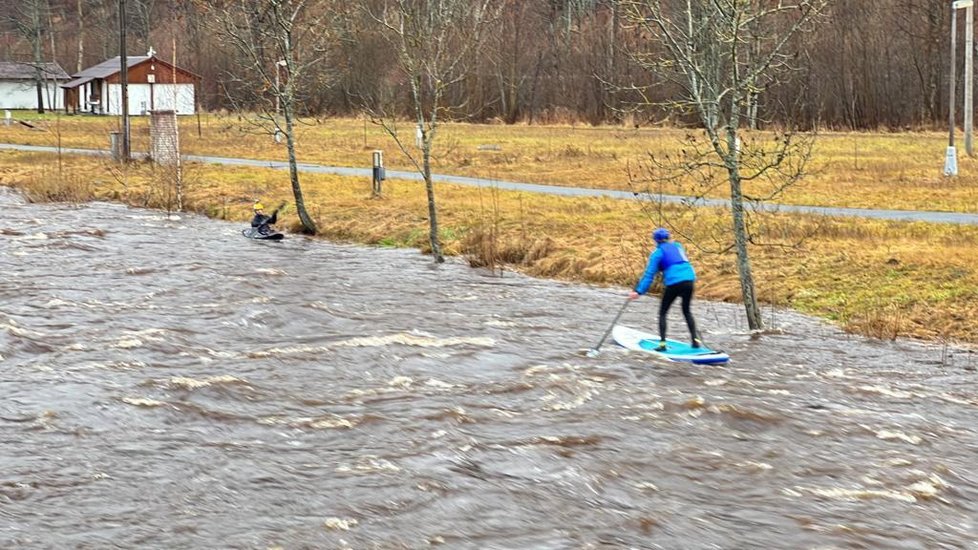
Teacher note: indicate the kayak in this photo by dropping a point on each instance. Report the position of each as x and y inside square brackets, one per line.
[681, 352]
[254, 234]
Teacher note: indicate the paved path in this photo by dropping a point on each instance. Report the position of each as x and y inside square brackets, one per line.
[901, 215]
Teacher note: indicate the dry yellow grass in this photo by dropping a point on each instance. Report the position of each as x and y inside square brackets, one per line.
[883, 279]
[866, 170]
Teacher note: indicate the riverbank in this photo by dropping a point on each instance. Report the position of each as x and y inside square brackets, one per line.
[876, 278]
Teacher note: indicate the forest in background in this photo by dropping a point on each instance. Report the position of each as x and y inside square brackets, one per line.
[865, 65]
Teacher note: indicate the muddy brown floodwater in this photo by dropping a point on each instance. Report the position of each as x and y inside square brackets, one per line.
[166, 383]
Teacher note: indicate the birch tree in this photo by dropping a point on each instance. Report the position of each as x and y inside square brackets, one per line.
[276, 43]
[435, 41]
[720, 55]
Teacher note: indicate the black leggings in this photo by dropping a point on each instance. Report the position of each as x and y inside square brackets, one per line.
[682, 290]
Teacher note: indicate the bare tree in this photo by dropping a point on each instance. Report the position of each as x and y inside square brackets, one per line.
[872, 65]
[721, 54]
[30, 18]
[80, 19]
[276, 43]
[921, 23]
[435, 41]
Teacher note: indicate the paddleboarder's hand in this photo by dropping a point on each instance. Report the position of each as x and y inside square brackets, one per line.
[633, 295]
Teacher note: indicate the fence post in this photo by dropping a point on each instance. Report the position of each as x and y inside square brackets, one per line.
[378, 173]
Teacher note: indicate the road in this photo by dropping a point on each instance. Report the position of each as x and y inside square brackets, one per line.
[871, 213]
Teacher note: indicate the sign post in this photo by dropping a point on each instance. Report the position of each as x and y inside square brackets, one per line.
[951, 157]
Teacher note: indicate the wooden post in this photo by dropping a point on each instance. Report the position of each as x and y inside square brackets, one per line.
[378, 173]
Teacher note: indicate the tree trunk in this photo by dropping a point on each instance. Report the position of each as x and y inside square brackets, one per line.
[39, 86]
[754, 321]
[308, 225]
[432, 210]
[81, 38]
[732, 161]
[38, 58]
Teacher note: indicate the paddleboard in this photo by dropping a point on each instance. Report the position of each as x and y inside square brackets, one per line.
[681, 352]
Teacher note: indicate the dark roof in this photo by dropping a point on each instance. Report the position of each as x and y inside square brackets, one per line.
[78, 82]
[23, 70]
[110, 67]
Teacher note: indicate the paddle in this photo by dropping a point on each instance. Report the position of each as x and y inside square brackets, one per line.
[593, 352]
[281, 206]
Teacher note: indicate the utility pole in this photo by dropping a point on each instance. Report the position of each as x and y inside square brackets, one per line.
[124, 81]
[969, 112]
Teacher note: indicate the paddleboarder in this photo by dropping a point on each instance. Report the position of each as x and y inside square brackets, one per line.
[678, 277]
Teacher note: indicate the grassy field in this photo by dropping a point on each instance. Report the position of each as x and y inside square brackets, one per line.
[866, 170]
[882, 279]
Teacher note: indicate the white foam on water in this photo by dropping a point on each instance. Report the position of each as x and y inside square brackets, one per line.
[838, 493]
[890, 435]
[401, 382]
[340, 524]
[927, 487]
[558, 402]
[888, 392]
[286, 351]
[143, 402]
[501, 324]
[956, 400]
[271, 271]
[321, 423]
[755, 466]
[54, 303]
[128, 343]
[154, 217]
[438, 384]
[193, 383]
[120, 365]
[334, 422]
[369, 464]
[16, 330]
[415, 339]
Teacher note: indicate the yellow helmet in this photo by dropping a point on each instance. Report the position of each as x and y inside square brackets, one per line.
[259, 206]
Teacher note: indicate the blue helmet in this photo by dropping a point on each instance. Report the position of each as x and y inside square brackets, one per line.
[660, 235]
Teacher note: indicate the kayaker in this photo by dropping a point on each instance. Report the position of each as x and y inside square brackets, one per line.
[261, 222]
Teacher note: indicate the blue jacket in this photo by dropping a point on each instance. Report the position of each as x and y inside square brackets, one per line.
[671, 260]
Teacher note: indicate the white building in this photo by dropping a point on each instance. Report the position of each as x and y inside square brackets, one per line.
[152, 85]
[18, 85]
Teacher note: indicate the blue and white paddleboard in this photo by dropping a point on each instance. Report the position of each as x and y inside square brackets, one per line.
[675, 351]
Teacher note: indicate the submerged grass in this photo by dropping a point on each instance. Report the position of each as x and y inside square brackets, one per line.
[878, 278]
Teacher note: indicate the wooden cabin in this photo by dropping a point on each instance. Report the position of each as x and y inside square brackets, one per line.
[153, 85]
